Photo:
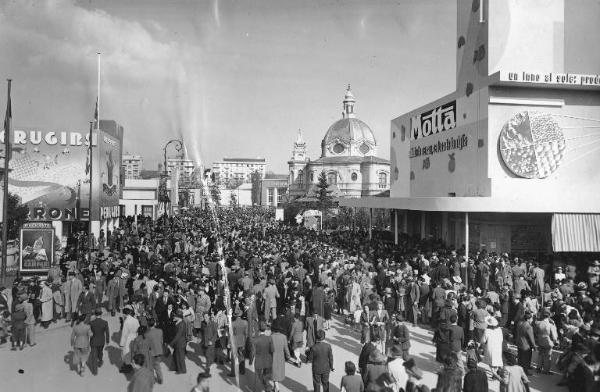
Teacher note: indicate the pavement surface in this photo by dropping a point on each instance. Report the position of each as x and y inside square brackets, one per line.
[46, 366]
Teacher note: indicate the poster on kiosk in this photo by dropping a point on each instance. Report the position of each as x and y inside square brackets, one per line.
[37, 247]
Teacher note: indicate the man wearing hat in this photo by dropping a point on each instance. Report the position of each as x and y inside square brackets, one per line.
[179, 342]
[321, 357]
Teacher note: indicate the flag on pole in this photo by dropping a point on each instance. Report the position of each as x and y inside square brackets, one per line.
[96, 114]
[7, 128]
[88, 160]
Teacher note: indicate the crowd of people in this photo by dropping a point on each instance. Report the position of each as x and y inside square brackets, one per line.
[248, 289]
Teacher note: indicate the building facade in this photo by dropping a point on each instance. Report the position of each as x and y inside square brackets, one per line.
[348, 158]
[132, 166]
[509, 161]
[232, 172]
[140, 197]
[274, 189]
[184, 166]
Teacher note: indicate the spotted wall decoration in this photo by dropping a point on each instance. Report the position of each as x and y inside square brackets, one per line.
[451, 163]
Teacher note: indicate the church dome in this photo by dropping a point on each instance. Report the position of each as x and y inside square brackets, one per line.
[349, 130]
[349, 135]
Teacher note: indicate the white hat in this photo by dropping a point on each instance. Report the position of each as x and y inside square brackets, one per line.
[457, 279]
[491, 321]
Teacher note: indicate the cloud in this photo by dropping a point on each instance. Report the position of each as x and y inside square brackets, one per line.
[145, 80]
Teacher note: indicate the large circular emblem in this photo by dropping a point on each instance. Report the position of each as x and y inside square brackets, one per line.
[532, 144]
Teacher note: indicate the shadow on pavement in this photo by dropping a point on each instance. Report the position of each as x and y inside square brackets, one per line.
[68, 358]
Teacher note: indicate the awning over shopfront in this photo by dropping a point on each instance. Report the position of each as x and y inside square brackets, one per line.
[576, 232]
[521, 203]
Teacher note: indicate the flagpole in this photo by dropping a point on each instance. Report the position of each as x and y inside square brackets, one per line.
[97, 120]
[7, 129]
[90, 197]
[98, 96]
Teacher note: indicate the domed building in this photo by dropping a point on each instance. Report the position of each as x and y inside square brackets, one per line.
[348, 157]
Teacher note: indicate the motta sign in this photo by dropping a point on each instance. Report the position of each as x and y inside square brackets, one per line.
[434, 121]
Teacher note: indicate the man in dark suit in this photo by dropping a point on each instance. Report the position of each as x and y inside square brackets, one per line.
[262, 354]
[100, 337]
[414, 293]
[525, 342]
[179, 343]
[155, 336]
[365, 353]
[322, 362]
[86, 303]
[457, 335]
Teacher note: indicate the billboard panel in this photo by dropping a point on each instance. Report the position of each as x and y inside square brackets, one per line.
[107, 175]
[49, 171]
[37, 247]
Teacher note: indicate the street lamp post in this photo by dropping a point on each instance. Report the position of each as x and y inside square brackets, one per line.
[178, 147]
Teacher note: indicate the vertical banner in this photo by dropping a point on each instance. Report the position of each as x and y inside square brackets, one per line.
[107, 173]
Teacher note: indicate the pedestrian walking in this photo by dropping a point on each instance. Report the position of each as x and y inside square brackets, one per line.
[143, 379]
[262, 355]
[100, 337]
[321, 356]
[155, 337]
[80, 341]
[179, 343]
[281, 354]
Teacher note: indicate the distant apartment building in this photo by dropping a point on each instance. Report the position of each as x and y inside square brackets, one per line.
[186, 166]
[132, 166]
[236, 171]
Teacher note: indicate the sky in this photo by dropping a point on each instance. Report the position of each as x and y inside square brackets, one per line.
[232, 78]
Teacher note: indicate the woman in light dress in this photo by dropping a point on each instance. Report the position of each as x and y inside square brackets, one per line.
[492, 341]
[513, 377]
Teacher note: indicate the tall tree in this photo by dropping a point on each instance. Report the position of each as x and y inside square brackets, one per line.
[256, 188]
[215, 193]
[324, 198]
[17, 215]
